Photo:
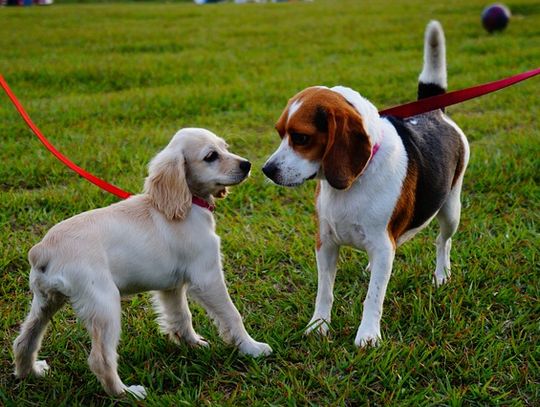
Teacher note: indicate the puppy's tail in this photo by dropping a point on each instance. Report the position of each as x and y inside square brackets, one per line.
[44, 278]
[432, 80]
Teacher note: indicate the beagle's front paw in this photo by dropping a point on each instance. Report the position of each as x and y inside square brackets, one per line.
[441, 277]
[318, 325]
[367, 337]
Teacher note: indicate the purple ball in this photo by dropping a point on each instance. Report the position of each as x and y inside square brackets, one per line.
[495, 17]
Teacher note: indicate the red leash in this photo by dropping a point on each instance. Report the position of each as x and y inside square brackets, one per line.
[83, 173]
[120, 193]
[457, 96]
[405, 110]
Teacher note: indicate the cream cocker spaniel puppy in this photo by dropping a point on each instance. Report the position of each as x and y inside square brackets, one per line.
[162, 240]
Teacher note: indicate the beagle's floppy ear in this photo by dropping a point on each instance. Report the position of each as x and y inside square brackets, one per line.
[348, 149]
[167, 186]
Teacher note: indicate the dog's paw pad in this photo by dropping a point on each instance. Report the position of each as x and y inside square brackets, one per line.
[138, 392]
[41, 368]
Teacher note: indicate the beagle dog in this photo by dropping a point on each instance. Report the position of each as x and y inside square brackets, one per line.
[162, 240]
[380, 179]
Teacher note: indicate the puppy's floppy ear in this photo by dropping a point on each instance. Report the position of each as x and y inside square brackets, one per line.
[167, 186]
[348, 149]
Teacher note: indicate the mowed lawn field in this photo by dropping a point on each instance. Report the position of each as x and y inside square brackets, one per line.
[110, 84]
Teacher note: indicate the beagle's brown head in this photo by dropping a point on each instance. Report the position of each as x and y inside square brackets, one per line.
[321, 135]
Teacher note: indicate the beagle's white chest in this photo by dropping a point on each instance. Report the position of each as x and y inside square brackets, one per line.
[341, 219]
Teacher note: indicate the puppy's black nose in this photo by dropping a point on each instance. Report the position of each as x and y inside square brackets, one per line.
[245, 166]
[270, 170]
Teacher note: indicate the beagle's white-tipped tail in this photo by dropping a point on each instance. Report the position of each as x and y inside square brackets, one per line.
[432, 80]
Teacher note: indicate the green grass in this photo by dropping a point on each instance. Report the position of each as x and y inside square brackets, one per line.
[110, 84]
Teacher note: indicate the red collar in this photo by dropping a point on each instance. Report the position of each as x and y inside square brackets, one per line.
[202, 203]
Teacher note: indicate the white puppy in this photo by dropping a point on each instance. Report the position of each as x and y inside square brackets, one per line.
[162, 240]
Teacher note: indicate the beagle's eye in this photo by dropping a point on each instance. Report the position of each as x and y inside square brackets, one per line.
[211, 156]
[299, 139]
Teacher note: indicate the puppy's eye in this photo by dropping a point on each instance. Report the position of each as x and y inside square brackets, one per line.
[212, 156]
[299, 139]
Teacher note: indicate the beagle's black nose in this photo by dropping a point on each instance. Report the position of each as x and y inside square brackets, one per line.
[245, 166]
[270, 170]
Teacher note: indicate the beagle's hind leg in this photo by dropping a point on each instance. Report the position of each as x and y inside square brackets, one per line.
[448, 218]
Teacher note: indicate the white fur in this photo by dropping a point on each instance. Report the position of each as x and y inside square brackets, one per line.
[434, 70]
[95, 257]
[293, 109]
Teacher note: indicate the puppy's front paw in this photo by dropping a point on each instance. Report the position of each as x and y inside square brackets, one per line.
[318, 325]
[199, 342]
[138, 392]
[193, 339]
[40, 368]
[255, 349]
[367, 337]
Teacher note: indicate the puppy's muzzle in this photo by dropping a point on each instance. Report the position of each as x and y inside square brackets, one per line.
[245, 166]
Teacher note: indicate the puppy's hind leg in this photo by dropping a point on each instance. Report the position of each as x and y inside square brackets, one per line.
[27, 344]
[448, 218]
[174, 316]
[100, 311]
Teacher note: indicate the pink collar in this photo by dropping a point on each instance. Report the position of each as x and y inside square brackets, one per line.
[375, 149]
[202, 203]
